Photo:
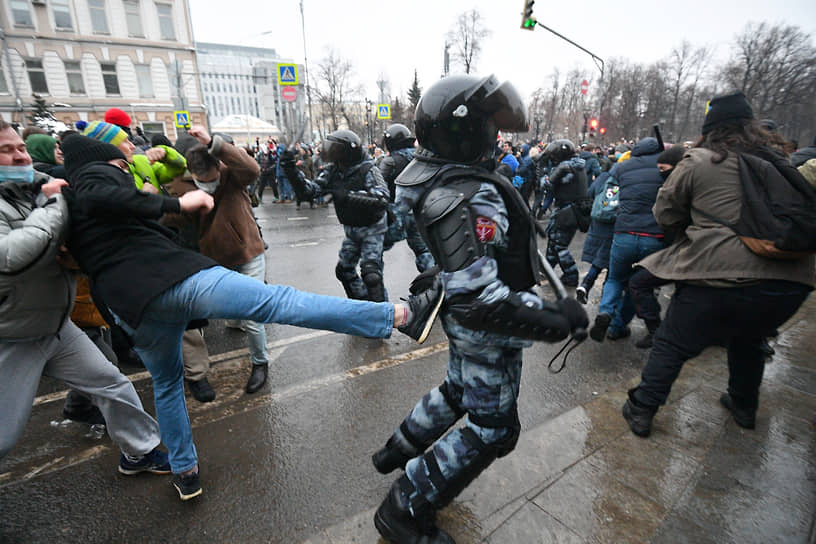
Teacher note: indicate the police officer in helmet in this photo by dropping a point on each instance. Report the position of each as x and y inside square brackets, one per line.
[482, 238]
[568, 182]
[360, 197]
[399, 143]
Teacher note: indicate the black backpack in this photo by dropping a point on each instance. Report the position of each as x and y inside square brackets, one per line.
[778, 215]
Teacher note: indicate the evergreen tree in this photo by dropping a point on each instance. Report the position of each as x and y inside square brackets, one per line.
[415, 92]
[398, 113]
[41, 116]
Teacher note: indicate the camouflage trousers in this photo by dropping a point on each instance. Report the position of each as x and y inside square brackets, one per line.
[404, 227]
[363, 245]
[483, 383]
[559, 235]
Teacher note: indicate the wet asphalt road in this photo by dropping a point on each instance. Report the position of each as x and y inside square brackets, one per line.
[282, 464]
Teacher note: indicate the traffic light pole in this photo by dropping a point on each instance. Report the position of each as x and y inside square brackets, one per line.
[598, 60]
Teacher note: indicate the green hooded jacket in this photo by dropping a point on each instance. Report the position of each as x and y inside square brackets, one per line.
[160, 172]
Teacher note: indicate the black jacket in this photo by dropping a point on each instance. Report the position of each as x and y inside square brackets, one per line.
[116, 240]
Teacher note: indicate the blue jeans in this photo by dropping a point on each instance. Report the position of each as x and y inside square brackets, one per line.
[221, 293]
[286, 192]
[627, 249]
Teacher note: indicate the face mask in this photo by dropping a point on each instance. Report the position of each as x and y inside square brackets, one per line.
[666, 173]
[208, 187]
[17, 174]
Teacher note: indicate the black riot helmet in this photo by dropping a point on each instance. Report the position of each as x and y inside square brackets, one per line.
[458, 117]
[397, 136]
[560, 150]
[342, 147]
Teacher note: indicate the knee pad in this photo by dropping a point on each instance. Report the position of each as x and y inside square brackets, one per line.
[510, 422]
[449, 488]
[373, 280]
[344, 274]
[370, 271]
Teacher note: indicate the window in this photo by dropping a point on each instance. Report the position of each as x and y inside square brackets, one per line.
[21, 13]
[75, 83]
[134, 18]
[62, 15]
[168, 31]
[145, 80]
[99, 21]
[109, 76]
[153, 127]
[36, 76]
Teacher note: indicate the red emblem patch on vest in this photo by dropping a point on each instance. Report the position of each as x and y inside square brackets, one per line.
[485, 229]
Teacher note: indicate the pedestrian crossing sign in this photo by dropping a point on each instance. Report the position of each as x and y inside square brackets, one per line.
[182, 118]
[383, 111]
[287, 74]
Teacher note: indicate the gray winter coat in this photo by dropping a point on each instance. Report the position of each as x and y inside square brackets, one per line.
[36, 293]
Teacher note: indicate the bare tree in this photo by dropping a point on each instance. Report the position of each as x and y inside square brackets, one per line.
[775, 66]
[684, 67]
[335, 87]
[466, 38]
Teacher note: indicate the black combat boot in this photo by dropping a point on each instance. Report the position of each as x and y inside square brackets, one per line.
[396, 523]
[744, 418]
[390, 458]
[638, 416]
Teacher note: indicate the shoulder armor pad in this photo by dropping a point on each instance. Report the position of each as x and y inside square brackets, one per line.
[441, 201]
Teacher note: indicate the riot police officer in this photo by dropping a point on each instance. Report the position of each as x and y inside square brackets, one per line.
[568, 182]
[360, 197]
[399, 143]
[482, 237]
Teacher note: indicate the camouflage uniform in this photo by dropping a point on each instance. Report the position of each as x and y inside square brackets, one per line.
[568, 181]
[363, 243]
[403, 226]
[482, 381]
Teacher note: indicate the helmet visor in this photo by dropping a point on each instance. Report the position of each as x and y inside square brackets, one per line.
[507, 108]
[333, 151]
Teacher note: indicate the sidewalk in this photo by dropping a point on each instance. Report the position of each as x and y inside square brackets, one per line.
[699, 478]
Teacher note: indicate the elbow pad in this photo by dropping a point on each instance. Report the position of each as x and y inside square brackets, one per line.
[510, 317]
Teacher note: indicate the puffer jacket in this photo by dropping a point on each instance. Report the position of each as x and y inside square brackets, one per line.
[160, 172]
[639, 180]
[36, 293]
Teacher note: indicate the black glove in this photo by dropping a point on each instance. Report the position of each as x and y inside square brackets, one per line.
[424, 280]
[575, 314]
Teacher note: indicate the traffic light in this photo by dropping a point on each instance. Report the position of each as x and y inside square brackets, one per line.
[528, 22]
[603, 131]
[593, 124]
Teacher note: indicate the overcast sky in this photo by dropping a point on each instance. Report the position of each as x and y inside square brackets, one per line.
[395, 37]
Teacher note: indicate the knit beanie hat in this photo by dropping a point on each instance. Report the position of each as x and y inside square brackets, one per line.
[727, 108]
[80, 125]
[79, 150]
[672, 155]
[117, 117]
[41, 148]
[105, 132]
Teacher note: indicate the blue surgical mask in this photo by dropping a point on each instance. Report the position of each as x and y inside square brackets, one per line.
[17, 174]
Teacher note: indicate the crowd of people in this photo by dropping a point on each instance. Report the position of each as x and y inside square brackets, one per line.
[119, 251]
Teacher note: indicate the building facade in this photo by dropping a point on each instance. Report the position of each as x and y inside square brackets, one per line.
[85, 56]
[240, 80]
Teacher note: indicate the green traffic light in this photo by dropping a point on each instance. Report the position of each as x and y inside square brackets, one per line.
[529, 23]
